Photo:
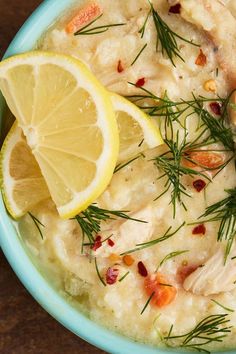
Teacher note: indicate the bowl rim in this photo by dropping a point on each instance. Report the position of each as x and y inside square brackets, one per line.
[12, 243]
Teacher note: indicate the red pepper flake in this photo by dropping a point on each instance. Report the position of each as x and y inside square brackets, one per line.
[201, 59]
[97, 243]
[175, 9]
[120, 67]
[140, 82]
[112, 275]
[199, 185]
[216, 108]
[110, 242]
[142, 269]
[200, 229]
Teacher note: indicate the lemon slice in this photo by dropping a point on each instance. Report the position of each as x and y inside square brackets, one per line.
[22, 181]
[69, 124]
[136, 130]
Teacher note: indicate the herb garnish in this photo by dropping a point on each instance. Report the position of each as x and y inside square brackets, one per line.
[96, 30]
[166, 235]
[122, 165]
[124, 276]
[223, 307]
[166, 38]
[138, 55]
[225, 211]
[169, 256]
[147, 303]
[211, 329]
[37, 224]
[90, 219]
[98, 273]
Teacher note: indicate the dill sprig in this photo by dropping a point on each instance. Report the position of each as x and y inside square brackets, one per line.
[211, 329]
[37, 224]
[151, 243]
[147, 303]
[222, 306]
[90, 219]
[124, 276]
[124, 164]
[225, 212]
[166, 38]
[96, 30]
[138, 55]
[170, 256]
[98, 273]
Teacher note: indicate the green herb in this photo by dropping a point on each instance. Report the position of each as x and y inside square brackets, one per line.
[143, 28]
[138, 55]
[225, 212]
[147, 303]
[210, 330]
[169, 256]
[96, 30]
[124, 276]
[166, 38]
[37, 224]
[98, 273]
[122, 165]
[91, 218]
[166, 235]
[223, 307]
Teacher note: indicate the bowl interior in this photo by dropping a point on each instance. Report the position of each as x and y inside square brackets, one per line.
[13, 246]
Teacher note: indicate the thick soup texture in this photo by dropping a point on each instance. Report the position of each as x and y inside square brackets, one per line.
[177, 268]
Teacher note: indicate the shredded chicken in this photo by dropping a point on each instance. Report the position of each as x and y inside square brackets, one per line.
[214, 276]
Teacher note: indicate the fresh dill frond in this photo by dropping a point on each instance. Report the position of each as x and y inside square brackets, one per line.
[225, 212]
[124, 164]
[211, 329]
[166, 38]
[151, 243]
[96, 30]
[170, 256]
[90, 219]
[37, 224]
[98, 273]
[143, 28]
[124, 276]
[147, 303]
[222, 306]
[138, 55]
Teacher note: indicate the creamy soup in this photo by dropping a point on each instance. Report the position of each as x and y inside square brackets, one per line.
[156, 277]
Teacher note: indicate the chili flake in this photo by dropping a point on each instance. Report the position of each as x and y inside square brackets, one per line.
[120, 67]
[128, 260]
[216, 108]
[175, 9]
[142, 269]
[110, 242]
[140, 82]
[201, 59]
[112, 275]
[199, 185]
[97, 243]
[200, 229]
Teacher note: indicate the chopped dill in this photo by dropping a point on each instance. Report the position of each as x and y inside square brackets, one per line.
[170, 256]
[147, 303]
[122, 165]
[90, 219]
[211, 329]
[225, 212]
[98, 273]
[96, 30]
[166, 38]
[222, 306]
[166, 235]
[124, 276]
[37, 224]
[138, 55]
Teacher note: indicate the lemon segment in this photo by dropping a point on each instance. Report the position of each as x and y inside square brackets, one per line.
[23, 185]
[136, 130]
[68, 121]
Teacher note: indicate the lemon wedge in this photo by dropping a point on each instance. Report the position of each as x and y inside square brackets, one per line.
[23, 184]
[69, 124]
[136, 130]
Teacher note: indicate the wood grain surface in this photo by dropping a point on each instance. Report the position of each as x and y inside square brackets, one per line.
[25, 328]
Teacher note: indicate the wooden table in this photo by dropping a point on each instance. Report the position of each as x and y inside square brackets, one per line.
[25, 328]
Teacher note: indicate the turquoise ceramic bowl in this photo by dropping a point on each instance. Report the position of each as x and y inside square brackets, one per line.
[12, 244]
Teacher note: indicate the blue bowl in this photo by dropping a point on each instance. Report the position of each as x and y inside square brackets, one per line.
[13, 245]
